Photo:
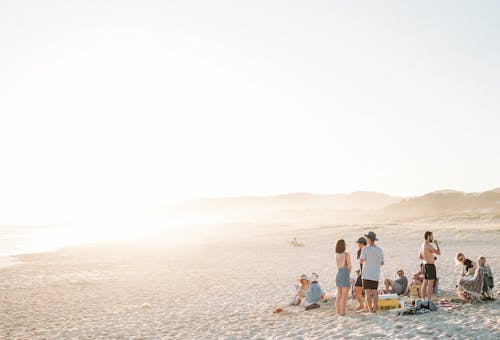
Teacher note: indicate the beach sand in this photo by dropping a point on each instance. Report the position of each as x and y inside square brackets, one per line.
[229, 288]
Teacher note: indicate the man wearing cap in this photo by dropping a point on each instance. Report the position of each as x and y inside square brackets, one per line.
[372, 258]
[358, 285]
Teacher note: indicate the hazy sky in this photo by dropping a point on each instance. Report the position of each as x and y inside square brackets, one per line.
[124, 102]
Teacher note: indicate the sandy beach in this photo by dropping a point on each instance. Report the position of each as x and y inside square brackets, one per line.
[229, 288]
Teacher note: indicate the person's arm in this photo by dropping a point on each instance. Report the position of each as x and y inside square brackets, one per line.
[421, 253]
[436, 251]
[474, 267]
[382, 260]
[362, 257]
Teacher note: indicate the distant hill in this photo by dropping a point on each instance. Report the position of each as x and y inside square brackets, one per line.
[290, 202]
[446, 203]
[356, 207]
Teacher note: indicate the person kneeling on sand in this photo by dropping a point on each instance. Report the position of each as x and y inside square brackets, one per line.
[417, 280]
[468, 266]
[314, 293]
[398, 286]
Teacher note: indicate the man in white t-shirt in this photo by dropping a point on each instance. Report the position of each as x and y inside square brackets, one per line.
[372, 258]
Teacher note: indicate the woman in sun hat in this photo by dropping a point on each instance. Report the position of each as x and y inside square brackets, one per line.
[302, 288]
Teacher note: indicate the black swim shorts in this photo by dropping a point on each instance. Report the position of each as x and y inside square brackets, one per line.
[430, 271]
[359, 282]
[369, 284]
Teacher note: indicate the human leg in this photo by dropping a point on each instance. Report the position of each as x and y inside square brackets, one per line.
[339, 300]
[424, 289]
[369, 299]
[430, 289]
[344, 300]
[375, 301]
[358, 292]
[388, 285]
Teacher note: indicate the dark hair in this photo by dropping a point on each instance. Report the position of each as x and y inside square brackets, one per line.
[359, 254]
[340, 246]
[427, 234]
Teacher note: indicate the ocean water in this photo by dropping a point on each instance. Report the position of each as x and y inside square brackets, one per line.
[22, 239]
[15, 240]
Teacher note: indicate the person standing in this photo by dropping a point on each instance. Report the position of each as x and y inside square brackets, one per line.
[372, 258]
[358, 285]
[342, 280]
[427, 252]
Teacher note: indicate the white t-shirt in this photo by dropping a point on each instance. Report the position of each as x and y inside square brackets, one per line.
[373, 256]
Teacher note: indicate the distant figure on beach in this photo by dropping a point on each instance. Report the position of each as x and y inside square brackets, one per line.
[372, 258]
[304, 283]
[426, 254]
[295, 243]
[468, 266]
[343, 282]
[397, 286]
[314, 294]
[358, 285]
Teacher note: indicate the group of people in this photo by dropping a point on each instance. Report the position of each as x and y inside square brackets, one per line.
[476, 278]
[371, 258]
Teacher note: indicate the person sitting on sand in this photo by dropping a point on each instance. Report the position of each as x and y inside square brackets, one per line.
[471, 289]
[342, 280]
[314, 294]
[468, 266]
[398, 286]
[301, 290]
[417, 280]
[295, 243]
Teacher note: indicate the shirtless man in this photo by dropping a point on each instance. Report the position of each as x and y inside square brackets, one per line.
[427, 252]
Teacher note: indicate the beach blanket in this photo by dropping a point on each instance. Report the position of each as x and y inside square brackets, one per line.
[473, 286]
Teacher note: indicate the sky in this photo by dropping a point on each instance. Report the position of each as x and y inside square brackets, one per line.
[121, 103]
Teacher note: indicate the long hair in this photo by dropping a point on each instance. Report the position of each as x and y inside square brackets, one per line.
[340, 246]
